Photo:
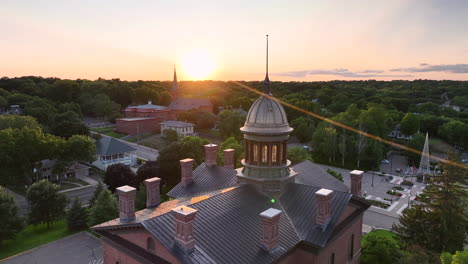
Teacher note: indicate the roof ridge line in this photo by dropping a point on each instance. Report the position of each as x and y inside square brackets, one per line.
[289, 219]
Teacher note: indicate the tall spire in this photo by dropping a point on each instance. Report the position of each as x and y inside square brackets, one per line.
[424, 166]
[175, 86]
[266, 82]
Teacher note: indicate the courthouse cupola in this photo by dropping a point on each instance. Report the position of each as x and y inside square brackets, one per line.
[266, 132]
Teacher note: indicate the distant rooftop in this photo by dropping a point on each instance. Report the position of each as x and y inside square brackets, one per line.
[106, 146]
[136, 118]
[172, 123]
[149, 105]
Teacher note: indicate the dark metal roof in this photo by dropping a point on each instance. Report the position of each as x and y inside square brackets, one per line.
[189, 103]
[109, 146]
[313, 175]
[205, 179]
[228, 228]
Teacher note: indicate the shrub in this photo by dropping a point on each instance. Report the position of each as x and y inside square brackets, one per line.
[335, 174]
[378, 204]
[399, 188]
[407, 183]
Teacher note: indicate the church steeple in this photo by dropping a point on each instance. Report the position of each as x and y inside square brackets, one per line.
[266, 82]
[175, 86]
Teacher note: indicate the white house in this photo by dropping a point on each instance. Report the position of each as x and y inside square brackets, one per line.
[75, 170]
[396, 133]
[111, 151]
[182, 128]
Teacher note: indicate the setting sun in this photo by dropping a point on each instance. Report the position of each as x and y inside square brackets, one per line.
[198, 65]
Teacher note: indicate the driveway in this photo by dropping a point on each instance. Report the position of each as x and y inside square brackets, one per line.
[80, 248]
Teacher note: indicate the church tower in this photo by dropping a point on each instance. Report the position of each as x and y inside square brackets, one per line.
[266, 133]
[175, 86]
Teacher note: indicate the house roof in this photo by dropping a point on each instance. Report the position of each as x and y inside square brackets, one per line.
[184, 104]
[110, 146]
[205, 179]
[313, 175]
[148, 106]
[172, 123]
[136, 118]
[228, 228]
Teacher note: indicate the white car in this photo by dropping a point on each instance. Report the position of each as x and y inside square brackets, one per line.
[385, 161]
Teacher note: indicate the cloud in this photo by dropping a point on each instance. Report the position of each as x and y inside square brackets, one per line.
[424, 67]
[340, 72]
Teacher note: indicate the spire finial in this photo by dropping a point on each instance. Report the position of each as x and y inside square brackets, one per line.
[267, 80]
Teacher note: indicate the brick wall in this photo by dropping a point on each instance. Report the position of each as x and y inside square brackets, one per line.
[134, 127]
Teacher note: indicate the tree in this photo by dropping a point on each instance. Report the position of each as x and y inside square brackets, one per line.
[229, 124]
[11, 223]
[64, 91]
[324, 142]
[417, 142]
[79, 148]
[68, 124]
[96, 193]
[303, 128]
[77, 216]
[15, 121]
[231, 143]
[417, 254]
[149, 169]
[119, 175]
[193, 147]
[297, 154]
[409, 124]
[47, 204]
[168, 159]
[380, 250]
[105, 209]
[440, 223]
[460, 257]
[456, 132]
[140, 197]
[202, 119]
[170, 135]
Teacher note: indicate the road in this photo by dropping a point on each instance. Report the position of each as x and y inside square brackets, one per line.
[84, 195]
[75, 249]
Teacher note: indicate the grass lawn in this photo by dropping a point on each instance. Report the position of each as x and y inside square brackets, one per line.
[108, 131]
[17, 189]
[33, 236]
[381, 233]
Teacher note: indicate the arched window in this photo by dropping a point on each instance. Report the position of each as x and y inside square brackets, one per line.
[150, 244]
[274, 153]
[265, 154]
[255, 152]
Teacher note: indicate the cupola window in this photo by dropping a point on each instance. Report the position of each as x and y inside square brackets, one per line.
[265, 154]
[255, 152]
[274, 153]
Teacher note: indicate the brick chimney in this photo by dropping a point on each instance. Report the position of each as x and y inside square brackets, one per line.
[184, 217]
[126, 203]
[323, 198]
[186, 171]
[152, 192]
[356, 182]
[210, 154]
[229, 158]
[270, 225]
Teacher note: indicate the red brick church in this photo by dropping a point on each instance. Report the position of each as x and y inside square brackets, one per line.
[267, 211]
[145, 119]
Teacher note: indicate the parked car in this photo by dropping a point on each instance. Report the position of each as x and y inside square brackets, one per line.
[385, 161]
[398, 170]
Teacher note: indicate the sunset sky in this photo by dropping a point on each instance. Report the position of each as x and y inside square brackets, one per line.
[309, 40]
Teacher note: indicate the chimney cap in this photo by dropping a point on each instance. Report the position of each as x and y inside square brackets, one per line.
[211, 145]
[357, 172]
[186, 160]
[150, 180]
[324, 192]
[229, 150]
[184, 210]
[125, 189]
[270, 213]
